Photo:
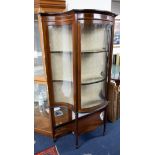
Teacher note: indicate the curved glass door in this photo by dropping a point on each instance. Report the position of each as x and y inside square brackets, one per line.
[61, 53]
[95, 41]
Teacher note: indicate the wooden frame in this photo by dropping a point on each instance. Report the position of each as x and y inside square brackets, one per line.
[49, 6]
[101, 20]
[72, 18]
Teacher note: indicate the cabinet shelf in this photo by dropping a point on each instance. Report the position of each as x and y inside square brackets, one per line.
[86, 81]
[70, 81]
[61, 52]
[92, 81]
[93, 51]
[82, 52]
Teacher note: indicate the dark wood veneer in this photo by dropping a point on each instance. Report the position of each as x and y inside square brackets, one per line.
[79, 11]
[74, 18]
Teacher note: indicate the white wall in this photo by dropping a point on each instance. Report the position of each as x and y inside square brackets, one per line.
[89, 4]
[115, 6]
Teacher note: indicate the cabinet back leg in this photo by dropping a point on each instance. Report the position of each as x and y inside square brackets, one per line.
[77, 142]
[104, 121]
[54, 140]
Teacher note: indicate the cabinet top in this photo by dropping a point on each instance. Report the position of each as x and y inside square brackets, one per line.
[80, 11]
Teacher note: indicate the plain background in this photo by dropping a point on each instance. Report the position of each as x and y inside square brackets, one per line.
[88, 4]
[137, 77]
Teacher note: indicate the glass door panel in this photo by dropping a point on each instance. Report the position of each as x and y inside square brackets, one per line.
[95, 41]
[60, 40]
[41, 110]
[38, 64]
[61, 53]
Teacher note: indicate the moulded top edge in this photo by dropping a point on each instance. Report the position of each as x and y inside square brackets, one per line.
[80, 11]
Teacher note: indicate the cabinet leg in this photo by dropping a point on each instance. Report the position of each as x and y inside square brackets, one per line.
[104, 121]
[76, 131]
[54, 140]
[77, 142]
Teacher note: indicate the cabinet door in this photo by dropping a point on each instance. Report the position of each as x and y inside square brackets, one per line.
[61, 56]
[95, 47]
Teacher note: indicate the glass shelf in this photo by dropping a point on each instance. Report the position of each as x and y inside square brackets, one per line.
[93, 51]
[61, 52]
[85, 51]
[92, 80]
[86, 81]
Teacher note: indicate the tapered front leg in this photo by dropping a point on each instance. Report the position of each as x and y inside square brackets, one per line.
[77, 142]
[76, 131]
[105, 121]
[54, 140]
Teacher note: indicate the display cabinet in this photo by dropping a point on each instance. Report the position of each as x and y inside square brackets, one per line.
[77, 54]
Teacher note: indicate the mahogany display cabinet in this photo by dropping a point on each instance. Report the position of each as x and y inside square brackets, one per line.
[73, 66]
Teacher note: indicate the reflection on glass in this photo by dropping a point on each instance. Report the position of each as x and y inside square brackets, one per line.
[60, 40]
[95, 41]
[62, 115]
[38, 64]
[41, 110]
[115, 72]
[93, 66]
[63, 92]
[93, 37]
[62, 66]
[92, 94]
